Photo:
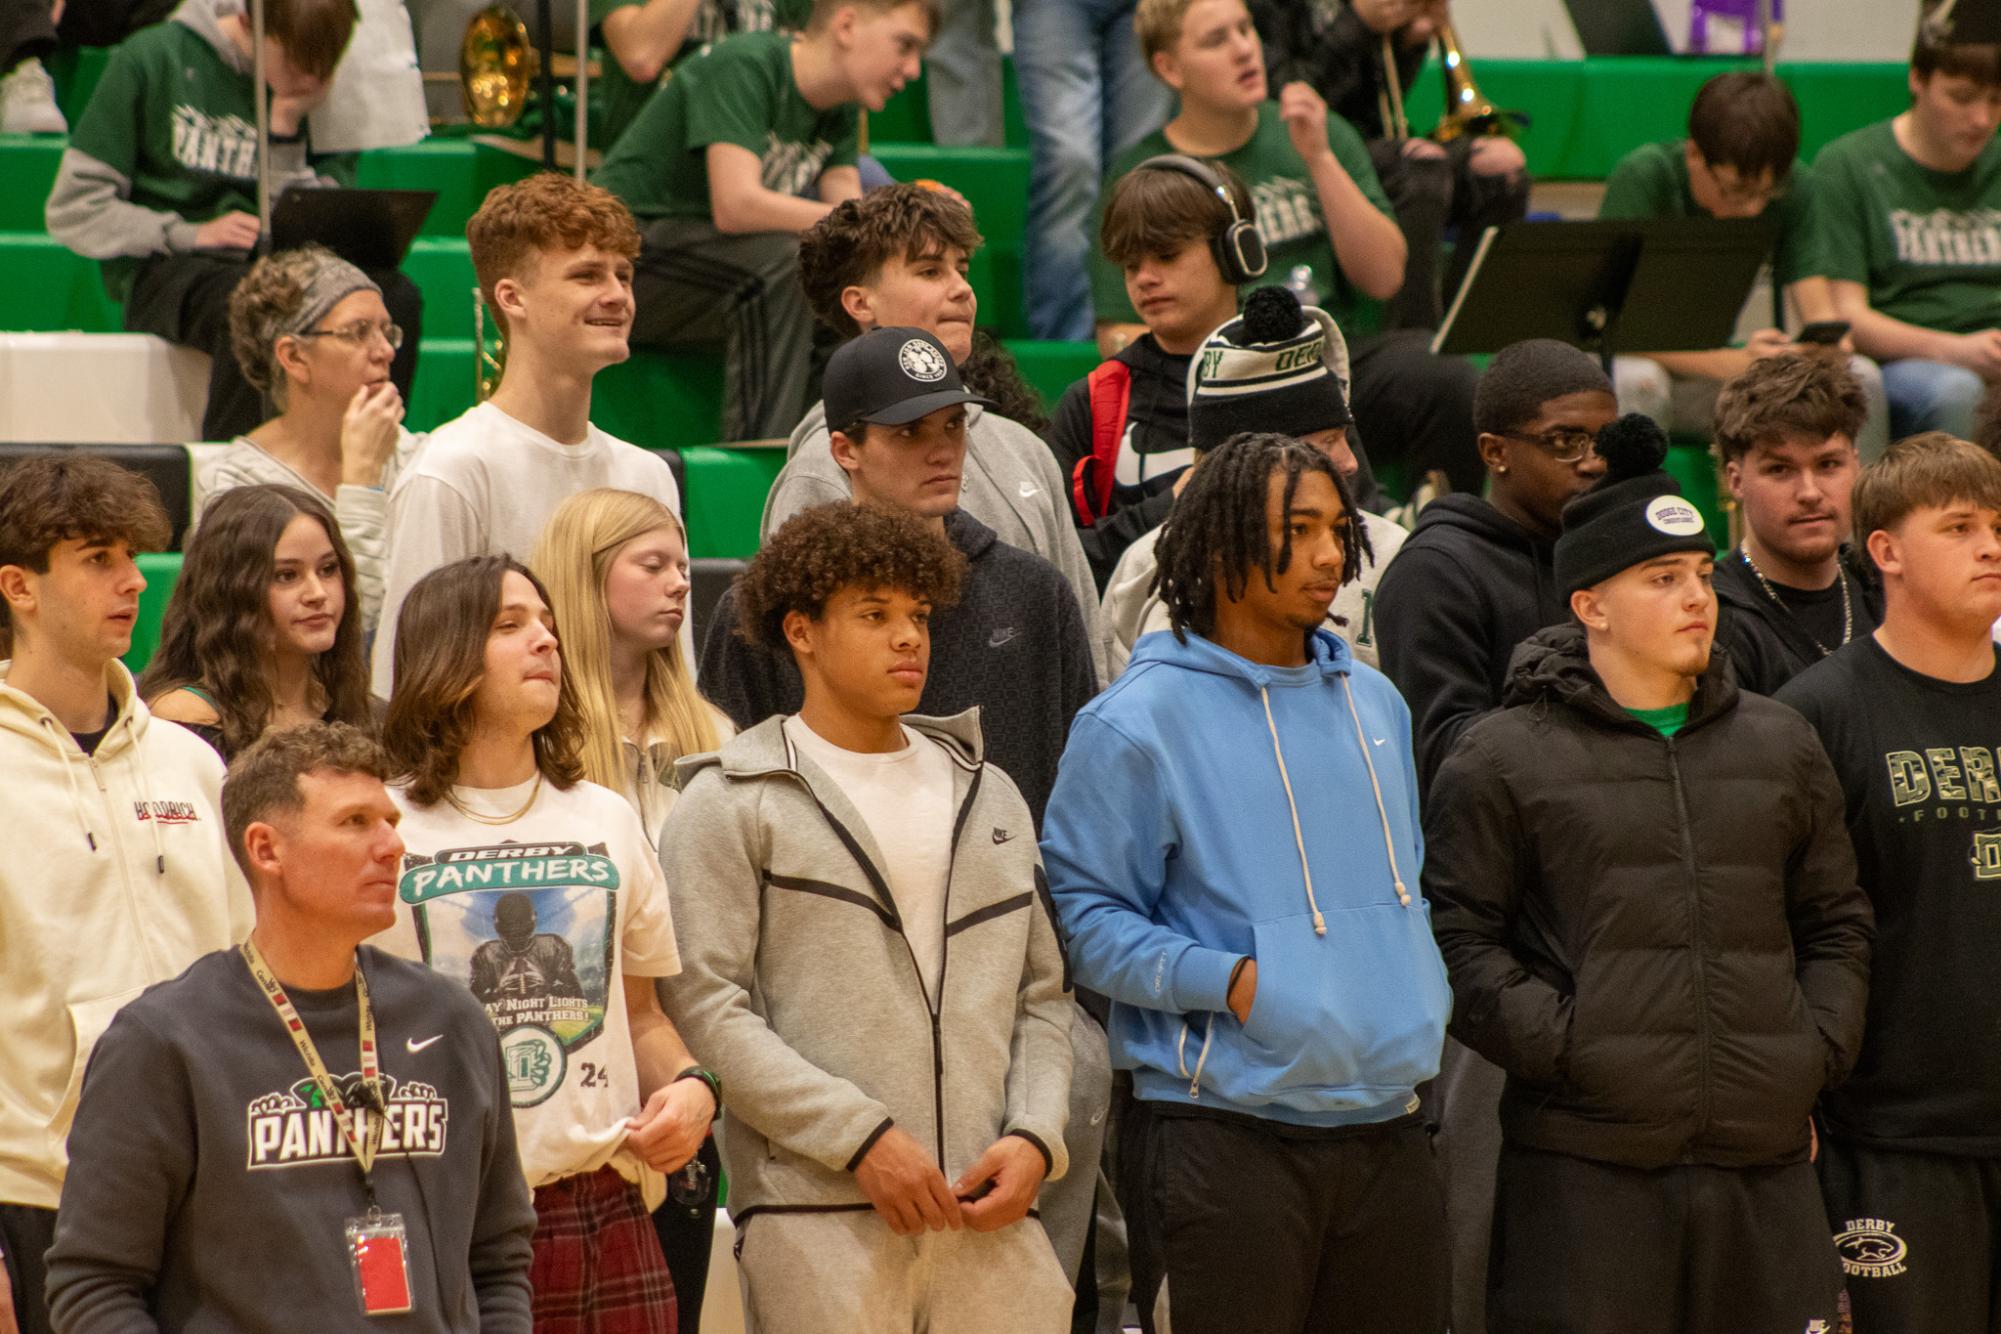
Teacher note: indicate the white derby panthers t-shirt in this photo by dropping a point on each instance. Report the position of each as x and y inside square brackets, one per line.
[541, 918]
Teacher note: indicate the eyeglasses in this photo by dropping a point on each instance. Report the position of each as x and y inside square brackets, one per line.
[358, 333]
[1565, 445]
[1760, 190]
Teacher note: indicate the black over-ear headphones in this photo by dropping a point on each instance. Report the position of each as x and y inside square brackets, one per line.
[1239, 247]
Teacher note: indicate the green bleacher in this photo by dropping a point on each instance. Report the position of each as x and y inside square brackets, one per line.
[1585, 114]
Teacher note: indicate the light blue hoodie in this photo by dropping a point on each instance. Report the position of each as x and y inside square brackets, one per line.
[1208, 808]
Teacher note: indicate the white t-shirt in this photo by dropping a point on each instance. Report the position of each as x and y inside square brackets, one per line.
[487, 483]
[542, 918]
[905, 797]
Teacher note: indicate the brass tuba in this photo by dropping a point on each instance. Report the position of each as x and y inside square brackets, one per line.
[497, 65]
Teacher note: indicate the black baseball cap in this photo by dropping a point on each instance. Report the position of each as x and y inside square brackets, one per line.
[891, 377]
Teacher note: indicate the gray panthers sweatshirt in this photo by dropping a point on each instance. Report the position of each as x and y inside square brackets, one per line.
[209, 1188]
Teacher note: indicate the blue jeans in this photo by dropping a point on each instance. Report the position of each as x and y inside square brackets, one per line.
[1087, 96]
[1931, 396]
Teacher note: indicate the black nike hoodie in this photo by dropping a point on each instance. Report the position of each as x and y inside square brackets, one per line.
[1469, 585]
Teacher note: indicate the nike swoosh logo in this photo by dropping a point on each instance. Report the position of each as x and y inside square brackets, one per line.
[1002, 836]
[1379, 740]
[1029, 489]
[1002, 637]
[413, 1046]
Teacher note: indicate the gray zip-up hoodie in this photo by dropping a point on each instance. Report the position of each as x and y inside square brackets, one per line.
[799, 989]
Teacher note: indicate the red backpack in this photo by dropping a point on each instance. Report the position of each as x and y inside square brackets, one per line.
[1111, 391]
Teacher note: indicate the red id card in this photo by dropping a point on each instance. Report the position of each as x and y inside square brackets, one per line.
[375, 1247]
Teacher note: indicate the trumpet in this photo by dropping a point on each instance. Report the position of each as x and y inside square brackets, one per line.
[1468, 112]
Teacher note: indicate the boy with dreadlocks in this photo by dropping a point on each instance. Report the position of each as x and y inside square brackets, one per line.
[1274, 1169]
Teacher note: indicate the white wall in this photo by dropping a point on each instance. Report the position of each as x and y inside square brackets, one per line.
[1815, 29]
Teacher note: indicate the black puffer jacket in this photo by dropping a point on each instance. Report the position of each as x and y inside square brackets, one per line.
[1660, 941]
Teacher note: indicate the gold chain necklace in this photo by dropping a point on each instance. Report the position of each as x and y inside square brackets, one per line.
[480, 817]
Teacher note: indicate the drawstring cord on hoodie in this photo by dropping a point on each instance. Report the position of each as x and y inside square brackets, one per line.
[1362, 740]
[153, 821]
[76, 801]
[76, 805]
[1298, 839]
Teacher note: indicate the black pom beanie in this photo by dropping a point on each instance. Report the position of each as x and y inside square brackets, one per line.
[1277, 367]
[1635, 513]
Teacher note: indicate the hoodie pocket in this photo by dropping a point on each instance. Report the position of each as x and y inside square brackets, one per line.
[1362, 1007]
[87, 1021]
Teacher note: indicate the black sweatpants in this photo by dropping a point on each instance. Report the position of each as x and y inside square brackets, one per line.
[185, 299]
[1432, 194]
[1582, 1247]
[1919, 1236]
[1255, 1225]
[25, 1236]
[1416, 410]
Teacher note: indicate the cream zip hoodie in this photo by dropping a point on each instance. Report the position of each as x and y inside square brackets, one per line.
[116, 876]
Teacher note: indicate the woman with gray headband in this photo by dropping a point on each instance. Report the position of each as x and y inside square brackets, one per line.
[311, 332]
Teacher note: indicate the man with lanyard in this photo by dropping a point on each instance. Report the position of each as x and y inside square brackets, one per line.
[392, 1190]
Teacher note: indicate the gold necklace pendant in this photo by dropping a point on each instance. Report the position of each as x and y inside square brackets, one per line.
[480, 817]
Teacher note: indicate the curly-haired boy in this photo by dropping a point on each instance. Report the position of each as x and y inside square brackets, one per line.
[873, 962]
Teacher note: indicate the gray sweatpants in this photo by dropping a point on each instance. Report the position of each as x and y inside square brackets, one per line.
[695, 287]
[847, 1273]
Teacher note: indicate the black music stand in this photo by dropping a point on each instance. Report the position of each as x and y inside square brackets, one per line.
[1641, 285]
[370, 229]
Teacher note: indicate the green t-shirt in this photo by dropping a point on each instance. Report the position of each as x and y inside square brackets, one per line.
[739, 91]
[1288, 213]
[1652, 182]
[1666, 721]
[714, 20]
[174, 119]
[1927, 244]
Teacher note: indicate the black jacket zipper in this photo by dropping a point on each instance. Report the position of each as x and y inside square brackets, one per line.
[1687, 831]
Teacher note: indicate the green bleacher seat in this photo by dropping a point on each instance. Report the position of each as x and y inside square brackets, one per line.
[907, 118]
[161, 569]
[44, 288]
[726, 490]
[76, 70]
[1051, 367]
[1589, 113]
[28, 165]
[1692, 465]
[460, 170]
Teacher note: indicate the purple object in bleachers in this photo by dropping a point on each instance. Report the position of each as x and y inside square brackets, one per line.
[1729, 27]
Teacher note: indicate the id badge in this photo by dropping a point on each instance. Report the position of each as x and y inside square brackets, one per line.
[376, 1248]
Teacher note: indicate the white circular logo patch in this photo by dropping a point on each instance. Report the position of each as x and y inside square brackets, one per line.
[535, 1062]
[1674, 516]
[921, 362]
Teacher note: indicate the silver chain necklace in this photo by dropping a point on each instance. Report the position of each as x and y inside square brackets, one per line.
[1847, 605]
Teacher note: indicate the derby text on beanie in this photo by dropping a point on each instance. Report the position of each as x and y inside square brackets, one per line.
[1635, 513]
[1276, 368]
